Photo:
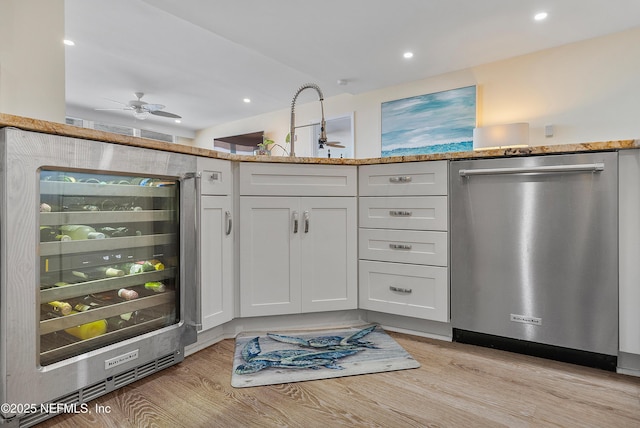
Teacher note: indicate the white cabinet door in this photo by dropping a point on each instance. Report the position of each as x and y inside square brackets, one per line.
[629, 251]
[270, 254]
[329, 254]
[216, 261]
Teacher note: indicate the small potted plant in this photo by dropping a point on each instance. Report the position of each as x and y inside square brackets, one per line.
[263, 148]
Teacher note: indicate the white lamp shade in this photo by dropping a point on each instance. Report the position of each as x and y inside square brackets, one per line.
[501, 136]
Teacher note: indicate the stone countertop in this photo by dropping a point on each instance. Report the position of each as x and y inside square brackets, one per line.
[36, 125]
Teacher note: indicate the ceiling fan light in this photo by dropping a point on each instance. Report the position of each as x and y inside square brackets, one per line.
[140, 115]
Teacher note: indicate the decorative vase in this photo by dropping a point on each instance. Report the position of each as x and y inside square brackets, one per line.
[262, 152]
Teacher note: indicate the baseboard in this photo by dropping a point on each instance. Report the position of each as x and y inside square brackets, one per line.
[628, 364]
[390, 322]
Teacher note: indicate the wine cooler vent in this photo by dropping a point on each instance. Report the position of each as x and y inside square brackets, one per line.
[124, 378]
[73, 400]
[91, 392]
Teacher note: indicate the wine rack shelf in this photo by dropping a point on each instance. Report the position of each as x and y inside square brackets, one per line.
[111, 244]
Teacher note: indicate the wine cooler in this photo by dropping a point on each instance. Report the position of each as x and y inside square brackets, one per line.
[97, 267]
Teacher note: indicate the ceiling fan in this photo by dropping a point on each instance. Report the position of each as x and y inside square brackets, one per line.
[142, 109]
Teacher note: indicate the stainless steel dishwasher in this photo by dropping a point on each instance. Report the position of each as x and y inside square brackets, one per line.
[534, 259]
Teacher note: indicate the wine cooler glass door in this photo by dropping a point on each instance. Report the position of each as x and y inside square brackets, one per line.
[109, 259]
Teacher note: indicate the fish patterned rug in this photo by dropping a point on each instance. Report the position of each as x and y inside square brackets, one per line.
[270, 358]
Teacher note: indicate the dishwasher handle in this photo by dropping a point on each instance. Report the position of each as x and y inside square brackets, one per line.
[587, 167]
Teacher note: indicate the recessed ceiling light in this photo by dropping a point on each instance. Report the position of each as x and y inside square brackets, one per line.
[178, 121]
[68, 42]
[540, 16]
[408, 55]
[247, 100]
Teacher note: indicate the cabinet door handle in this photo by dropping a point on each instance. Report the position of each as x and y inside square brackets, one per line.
[227, 217]
[400, 246]
[400, 213]
[402, 179]
[306, 221]
[295, 222]
[400, 289]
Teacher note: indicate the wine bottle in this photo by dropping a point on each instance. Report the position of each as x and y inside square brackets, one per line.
[88, 330]
[78, 232]
[117, 323]
[82, 307]
[139, 267]
[110, 272]
[89, 302]
[155, 286]
[117, 232]
[62, 307]
[49, 234]
[98, 273]
[127, 294]
[157, 264]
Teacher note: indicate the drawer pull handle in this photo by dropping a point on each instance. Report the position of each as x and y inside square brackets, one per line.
[400, 246]
[400, 213]
[400, 289]
[403, 179]
[215, 176]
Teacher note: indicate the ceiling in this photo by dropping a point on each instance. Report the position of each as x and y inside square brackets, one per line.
[201, 58]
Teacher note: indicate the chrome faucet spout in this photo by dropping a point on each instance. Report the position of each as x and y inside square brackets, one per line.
[292, 130]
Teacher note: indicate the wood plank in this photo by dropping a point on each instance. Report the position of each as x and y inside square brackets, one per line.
[457, 385]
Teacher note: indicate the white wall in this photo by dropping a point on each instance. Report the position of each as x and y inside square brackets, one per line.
[589, 91]
[32, 59]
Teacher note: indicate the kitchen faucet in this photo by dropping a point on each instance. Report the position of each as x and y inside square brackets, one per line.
[323, 133]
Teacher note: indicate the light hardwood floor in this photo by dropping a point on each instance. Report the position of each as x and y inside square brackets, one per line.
[457, 386]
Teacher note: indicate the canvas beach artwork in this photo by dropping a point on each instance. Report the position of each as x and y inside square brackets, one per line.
[432, 123]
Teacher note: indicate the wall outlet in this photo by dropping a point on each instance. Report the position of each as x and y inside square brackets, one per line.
[548, 131]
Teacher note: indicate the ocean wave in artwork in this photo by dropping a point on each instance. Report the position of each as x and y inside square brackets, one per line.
[462, 146]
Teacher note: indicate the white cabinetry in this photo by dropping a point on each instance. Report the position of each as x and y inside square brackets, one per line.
[403, 243]
[298, 252]
[629, 253]
[215, 242]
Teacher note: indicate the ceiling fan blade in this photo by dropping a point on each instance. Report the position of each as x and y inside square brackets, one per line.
[152, 107]
[335, 144]
[117, 102]
[114, 109]
[165, 114]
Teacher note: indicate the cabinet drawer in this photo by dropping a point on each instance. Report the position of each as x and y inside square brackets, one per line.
[215, 176]
[417, 213]
[404, 246]
[264, 179]
[409, 290]
[404, 179]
